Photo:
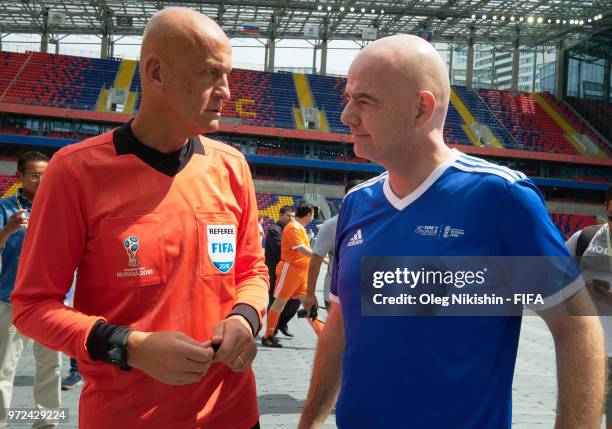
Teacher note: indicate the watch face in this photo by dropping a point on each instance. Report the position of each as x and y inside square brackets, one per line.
[117, 355]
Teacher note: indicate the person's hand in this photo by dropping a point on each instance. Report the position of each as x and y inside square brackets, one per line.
[309, 301]
[169, 357]
[16, 221]
[237, 346]
[326, 260]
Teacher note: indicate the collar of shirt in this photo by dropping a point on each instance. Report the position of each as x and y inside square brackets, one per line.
[169, 164]
[22, 201]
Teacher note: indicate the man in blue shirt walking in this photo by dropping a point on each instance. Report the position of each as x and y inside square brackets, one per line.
[14, 213]
[433, 202]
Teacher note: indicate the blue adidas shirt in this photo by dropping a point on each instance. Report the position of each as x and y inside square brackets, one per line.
[437, 372]
[12, 247]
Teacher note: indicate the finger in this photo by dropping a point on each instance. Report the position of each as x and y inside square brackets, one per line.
[228, 350]
[244, 360]
[218, 332]
[239, 364]
[18, 213]
[246, 349]
[236, 337]
[197, 353]
[249, 355]
[198, 367]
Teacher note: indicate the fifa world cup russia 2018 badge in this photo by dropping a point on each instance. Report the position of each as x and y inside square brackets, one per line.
[131, 246]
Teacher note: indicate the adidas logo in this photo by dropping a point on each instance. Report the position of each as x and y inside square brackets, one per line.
[356, 240]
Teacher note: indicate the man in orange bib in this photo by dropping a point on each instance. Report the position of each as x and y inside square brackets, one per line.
[291, 272]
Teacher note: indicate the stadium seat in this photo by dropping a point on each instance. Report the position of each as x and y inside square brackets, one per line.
[568, 224]
[527, 122]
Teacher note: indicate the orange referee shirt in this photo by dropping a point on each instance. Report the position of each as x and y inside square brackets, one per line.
[155, 253]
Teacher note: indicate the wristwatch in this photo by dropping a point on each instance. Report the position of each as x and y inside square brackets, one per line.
[117, 347]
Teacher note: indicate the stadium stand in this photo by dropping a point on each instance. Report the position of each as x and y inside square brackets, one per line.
[11, 63]
[484, 115]
[268, 99]
[453, 133]
[135, 87]
[8, 186]
[328, 95]
[568, 224]
[261, 98]
[574, 121]
[598, 113]
[60, 81]
[270, 204]
[334, 204]
[528, 123]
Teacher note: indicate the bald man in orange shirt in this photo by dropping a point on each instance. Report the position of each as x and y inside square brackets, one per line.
[161, 223]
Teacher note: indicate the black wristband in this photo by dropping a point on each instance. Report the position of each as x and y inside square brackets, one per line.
[250, 314]
[106, 341]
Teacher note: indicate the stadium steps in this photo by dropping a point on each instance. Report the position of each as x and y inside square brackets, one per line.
[565, 126]
[466, 116]
[470, 122]
[584, 131]
[125, 74]
[101, 104]
[302, 88]
[123, 80]
[297, 117]
[130, 103]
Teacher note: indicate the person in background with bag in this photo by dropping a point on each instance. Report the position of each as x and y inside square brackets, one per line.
[592, 249]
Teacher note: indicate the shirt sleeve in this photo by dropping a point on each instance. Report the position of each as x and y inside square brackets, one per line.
[251, 271]
[325, 239]
[3, 216]
[292, 237]
[535, 258]
[572, 242]
[51, 252]
[333, 284]
[3, 219]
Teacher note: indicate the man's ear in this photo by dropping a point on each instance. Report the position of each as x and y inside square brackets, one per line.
[426, 104]
[152, 70]
[19, 175]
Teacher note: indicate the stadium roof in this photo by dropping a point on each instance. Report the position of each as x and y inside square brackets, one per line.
[537, 22]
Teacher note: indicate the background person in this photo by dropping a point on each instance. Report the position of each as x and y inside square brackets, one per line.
[272, 254]
[591, 248]
[14, 214]
[291, 272]
[323, 246]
